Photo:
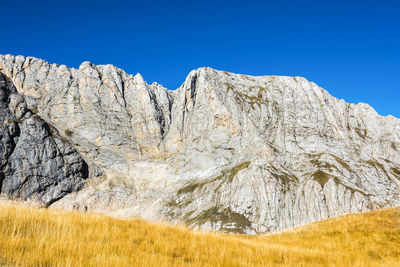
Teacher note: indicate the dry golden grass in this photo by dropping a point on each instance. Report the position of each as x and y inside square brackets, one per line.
[39, 237]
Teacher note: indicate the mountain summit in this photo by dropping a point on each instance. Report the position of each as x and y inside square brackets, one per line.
[225, 151]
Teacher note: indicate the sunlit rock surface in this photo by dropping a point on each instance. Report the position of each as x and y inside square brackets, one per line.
[224, 151]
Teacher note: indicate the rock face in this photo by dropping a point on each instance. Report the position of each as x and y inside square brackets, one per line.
[224, 151]
[35, 162]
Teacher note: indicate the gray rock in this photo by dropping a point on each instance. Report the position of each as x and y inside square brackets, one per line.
[36, 163]
[225, 151]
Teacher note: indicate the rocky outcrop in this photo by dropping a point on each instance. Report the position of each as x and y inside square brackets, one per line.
[224, 151]
[35, 163]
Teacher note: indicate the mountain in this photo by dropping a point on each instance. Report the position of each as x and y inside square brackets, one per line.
[224, 151]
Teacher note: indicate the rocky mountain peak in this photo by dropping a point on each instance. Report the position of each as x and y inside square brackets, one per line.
[224, 151]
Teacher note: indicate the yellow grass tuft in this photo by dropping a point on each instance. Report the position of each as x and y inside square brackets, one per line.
[40, 237]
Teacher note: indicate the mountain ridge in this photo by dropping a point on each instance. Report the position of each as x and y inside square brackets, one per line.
[196, 69]
[230, 152]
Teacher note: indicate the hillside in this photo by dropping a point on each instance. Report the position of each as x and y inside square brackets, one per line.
[43, 237]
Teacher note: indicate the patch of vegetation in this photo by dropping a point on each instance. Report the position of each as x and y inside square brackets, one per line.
[361, 132]
[34, 109]
[341, 162]
[243, 98]
[321, 177]
[232, 222]
[11, 120]
[69, 133]
[230, 86]
[395, 171]
[53, 131]
[375, 164]
[229, 174]
[328, 166]
[393, 145]
[226, 175]
[286, 178]
[191, 187]
[115, 181]
[95, 181]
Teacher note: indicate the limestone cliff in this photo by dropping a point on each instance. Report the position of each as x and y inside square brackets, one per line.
[224, 151]
[35, 162]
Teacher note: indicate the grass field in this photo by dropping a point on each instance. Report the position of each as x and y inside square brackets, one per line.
[40, 237]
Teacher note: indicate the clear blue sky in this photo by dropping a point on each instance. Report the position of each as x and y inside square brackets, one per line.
[351, 48]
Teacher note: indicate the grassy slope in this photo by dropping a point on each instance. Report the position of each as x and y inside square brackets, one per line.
[55, 238]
